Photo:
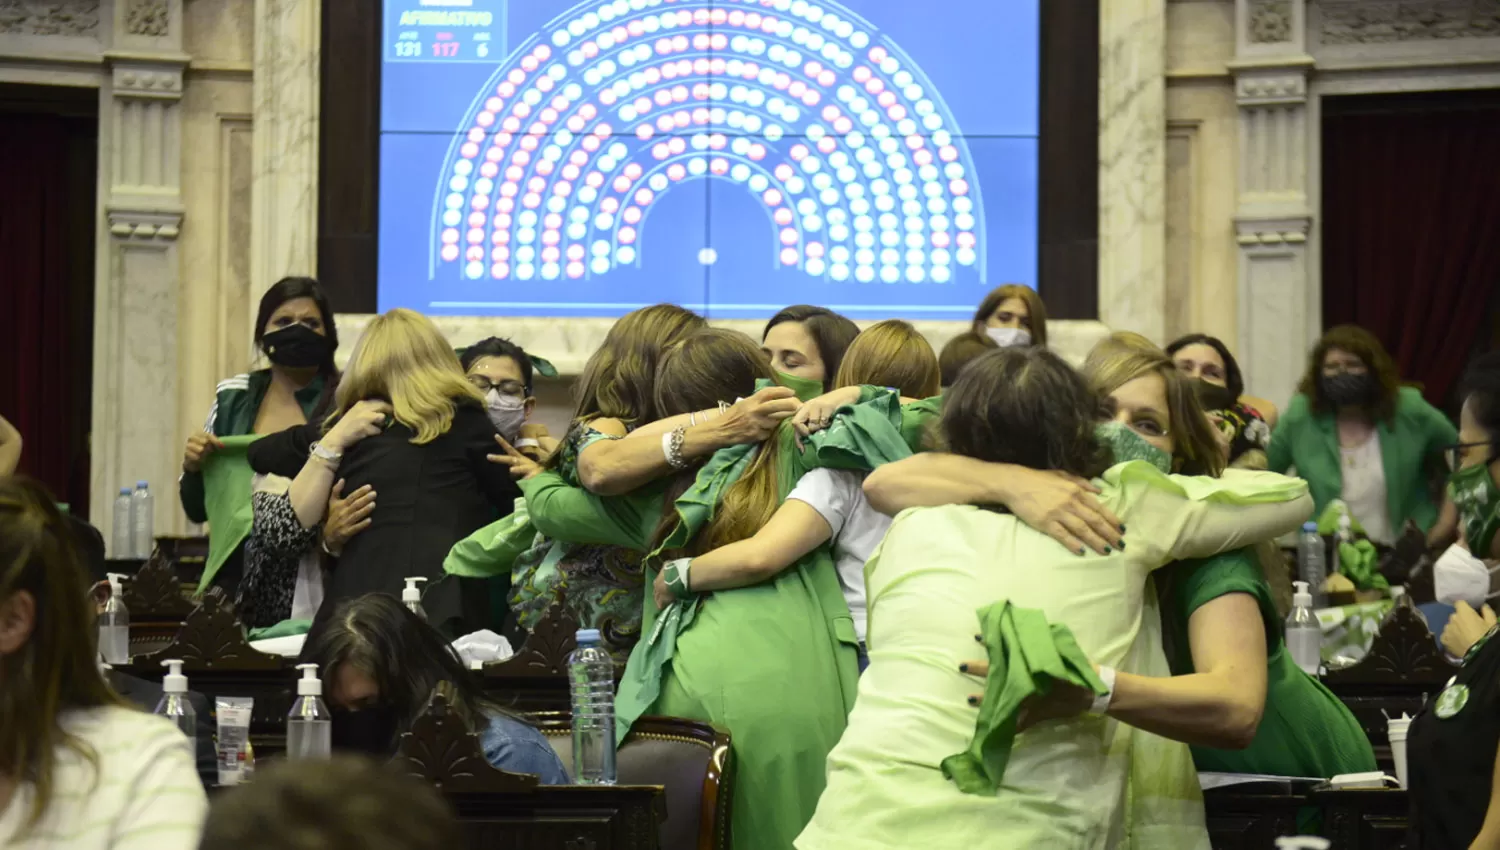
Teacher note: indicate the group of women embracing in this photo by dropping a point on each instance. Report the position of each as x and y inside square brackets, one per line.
[1067, 612]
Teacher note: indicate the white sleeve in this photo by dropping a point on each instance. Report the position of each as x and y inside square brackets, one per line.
[165, 804]
[1195, 517]
[833, 493]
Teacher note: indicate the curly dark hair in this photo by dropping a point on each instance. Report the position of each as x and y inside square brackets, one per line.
[1024, 406]
[1364, 345]
[1234, 379]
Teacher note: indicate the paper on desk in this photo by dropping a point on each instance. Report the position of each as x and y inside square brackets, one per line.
[289, 646]
[1207, 780]
[480, 647]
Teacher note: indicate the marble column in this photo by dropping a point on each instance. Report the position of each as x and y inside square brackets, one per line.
[1132, 165]
[136, 277]
[284, 189]
[1279, 305]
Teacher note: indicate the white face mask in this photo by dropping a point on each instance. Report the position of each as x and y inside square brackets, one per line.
[1457, 574]
[1009, 337]
[507, 413]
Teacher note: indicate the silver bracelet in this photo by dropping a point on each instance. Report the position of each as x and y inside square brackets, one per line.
[692, 417]
[671, 447]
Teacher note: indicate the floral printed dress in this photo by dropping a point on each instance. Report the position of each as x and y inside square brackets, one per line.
[605, 584]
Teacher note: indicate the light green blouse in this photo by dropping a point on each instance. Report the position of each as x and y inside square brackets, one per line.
[1067, 782]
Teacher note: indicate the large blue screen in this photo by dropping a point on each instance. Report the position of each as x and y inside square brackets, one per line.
[545, 157]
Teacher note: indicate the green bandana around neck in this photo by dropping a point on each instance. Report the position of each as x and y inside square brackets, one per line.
[1477, 498]
[1125, 444]
[806, 388]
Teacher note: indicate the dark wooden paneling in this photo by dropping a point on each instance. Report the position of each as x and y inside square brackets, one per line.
[1068, 182]
[1068, 206]
[349, 153]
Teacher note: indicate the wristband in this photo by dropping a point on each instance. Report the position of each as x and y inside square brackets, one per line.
[1102, 701]
[328, 456]
[675, 574]
[528, 443]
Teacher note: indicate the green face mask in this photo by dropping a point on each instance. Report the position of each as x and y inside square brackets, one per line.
[1474, 493]
[1125, 444]
[806, 388]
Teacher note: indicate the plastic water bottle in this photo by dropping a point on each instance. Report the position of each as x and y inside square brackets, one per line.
[411, 596]
[591, 673]
[143, 540]
[174, 703]
[1304, 639]
[1311, 562]
[114, 625]
[309, 725]
[120, 531]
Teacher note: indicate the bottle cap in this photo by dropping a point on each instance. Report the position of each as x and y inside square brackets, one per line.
[174, 682]
[1301, 598]
[124, 491]
[412, 593]
[140, 485]
[1310, 526]
[309, 685]
[588, 636]
[114, 583]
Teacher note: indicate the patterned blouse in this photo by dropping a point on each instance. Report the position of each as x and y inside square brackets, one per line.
[605, 584]
[1247, 431]
[273, 553]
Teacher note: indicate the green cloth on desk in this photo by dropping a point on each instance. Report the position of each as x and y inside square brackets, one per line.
[1411, 448]
[285, 628]
[226, 495]
[1027, 655]
[1305, 730]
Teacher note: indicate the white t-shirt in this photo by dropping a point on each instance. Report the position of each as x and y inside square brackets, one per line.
[839, 497]
[1364, 488]
[146, 794]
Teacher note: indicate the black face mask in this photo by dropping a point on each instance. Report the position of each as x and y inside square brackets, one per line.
[370, 730]
[1212, 396]
[1344, 389]
[295, 347]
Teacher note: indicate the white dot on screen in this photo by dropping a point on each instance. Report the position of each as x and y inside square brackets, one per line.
[451, 218]
[625, 255]
[890, 274]
[940, 257]
[525, 271]
[600, 265]
[864, 274]
[966, 256]
[814, 266]
[838, 271]
[890, 256]
[914, 274]
[837, 232]
[839, 254]
[864, 240]
[474, 270]
[577, 230]
[525, 254]
[864, 257]
[708, 256]
[454, 201]
[940, 274]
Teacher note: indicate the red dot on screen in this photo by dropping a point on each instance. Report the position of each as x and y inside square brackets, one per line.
[799, 152]
[789, 256]
[516, 76]
[529, 143]
[718, 165]
[877, 54]
[861, 73]
[675, 171]
[552, 221]
[474, 236]
[544, 167]
[528, 63]
[500, 254]
[810, 98]
[489, 169]
[627, 235]
[677, 145]
[450, 235]
[827, 79]
[531, 200]
[502, 220]
[450, 252]
[815, 249]
[475, 253]
[622, 184]
[783, 216]
[632, 170]
[499, 271]
[575, 251]
[966, 239]
[505, 89]
[659, 150]
[575, 270]
[569, 171]
[940, 239]
[476, 219]
[609, 205]
[542, 51]
[842, 125]
[591, 143]
[757, 152]
[469, 150]
[788, 236]
[632, 215]
[653, 76]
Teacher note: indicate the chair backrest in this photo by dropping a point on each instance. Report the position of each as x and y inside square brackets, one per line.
[535, 679]
[212, 638]
[442, 749]
[692, 760]
[155, 591]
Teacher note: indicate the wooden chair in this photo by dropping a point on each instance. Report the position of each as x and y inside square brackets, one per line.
[1367, 819]
[157, 605]
[219, 661]
[535, 679]
[1404, 666]
[692, 760]
[511, 811]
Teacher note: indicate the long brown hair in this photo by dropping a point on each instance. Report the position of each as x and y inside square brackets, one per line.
[1364, 345]
[617, 380]
[1124, 356]
[830, 331]
[1034, 306]
[702, 369]
[891, 354]
[55, 669]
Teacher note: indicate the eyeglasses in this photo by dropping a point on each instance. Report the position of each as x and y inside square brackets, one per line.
[1454, 453]
[484, 385]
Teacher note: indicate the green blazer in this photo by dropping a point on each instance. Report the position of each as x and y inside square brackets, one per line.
[1409, 442]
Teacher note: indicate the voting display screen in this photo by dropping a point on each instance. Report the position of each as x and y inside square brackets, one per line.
[552, 158]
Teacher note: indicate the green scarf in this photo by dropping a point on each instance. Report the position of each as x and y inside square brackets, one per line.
[226, 495]
[806, 388]
[1027, 656]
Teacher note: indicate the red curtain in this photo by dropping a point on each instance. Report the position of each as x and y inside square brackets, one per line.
[1411, 235]
[36, 345]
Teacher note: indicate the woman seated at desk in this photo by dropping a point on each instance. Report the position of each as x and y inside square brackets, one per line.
[382, 665]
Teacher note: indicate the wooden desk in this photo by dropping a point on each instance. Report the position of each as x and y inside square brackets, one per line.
[551, 817]
[1374, 819]
[1252, 816]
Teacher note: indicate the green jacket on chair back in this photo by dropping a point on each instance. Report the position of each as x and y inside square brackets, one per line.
[1411, 446]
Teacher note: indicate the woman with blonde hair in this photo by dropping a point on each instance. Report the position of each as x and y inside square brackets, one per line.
[78, 768]
[411, 427]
